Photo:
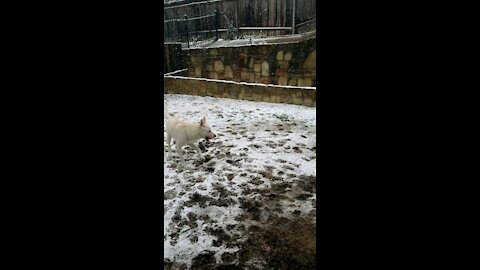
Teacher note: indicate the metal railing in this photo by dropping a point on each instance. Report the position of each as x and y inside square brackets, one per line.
[203, 22]
[191, 30]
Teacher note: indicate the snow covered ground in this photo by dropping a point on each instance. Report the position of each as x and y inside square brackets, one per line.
[250, 202]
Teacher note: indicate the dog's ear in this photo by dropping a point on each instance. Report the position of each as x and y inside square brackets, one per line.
[203, 121]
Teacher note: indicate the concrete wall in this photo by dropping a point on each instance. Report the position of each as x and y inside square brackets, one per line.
[247, 91]
[291, 64]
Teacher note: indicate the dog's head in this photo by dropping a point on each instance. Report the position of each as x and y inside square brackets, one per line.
[205, 130]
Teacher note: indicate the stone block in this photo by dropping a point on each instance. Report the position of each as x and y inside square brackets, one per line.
[300, 82]
[236, 75]
[284, 99]
[288, 56]
[273, 98]
[257, 67]
[265, 69]
[202, 88]
[292, 82]
[307, 82]
[241, 94]
[194, 84]
[280, 55]
[283, 65]
[213, 75]
[297, 101]
[246, 93]
[218, 65]
[232, 90]
[244, 76]
[265, 80]
[198, 71]
[257, 97]
[263, 50]
[311, 61]
[282, 80]
[308, 102]
[278, 98]
[195, 59]
[281, 72]
[228, 72]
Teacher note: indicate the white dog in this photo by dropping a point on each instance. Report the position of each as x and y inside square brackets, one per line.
[185, 133]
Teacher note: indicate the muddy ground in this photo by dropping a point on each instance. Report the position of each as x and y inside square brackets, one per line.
[250, 201]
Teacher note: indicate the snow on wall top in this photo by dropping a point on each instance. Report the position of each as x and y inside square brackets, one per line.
[242, 83]
[221, 43]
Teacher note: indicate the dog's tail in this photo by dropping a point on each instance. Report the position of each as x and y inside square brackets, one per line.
[165, 111]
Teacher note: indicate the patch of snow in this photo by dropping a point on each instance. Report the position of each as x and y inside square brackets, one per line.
[247, 41]
[252, 137]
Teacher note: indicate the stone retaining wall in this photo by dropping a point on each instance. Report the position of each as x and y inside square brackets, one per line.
[291, 64]
[248, 91]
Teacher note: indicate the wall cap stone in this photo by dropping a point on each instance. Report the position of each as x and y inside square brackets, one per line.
[242, 83]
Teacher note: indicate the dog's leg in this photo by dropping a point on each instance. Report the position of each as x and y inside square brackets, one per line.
[169, 138]
[196, 149]
[180, 153]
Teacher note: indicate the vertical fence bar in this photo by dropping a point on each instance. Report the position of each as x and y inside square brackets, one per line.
[236, 16]
[176, 30]
[186, 31]
[209, 22]
[217, 20]
[293, 18]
